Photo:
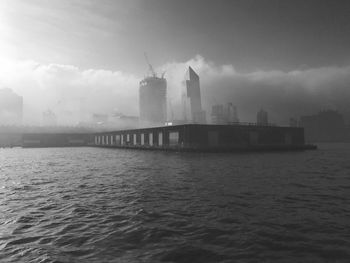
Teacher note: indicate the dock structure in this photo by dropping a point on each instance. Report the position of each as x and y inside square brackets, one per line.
[200, 137]
[37, 140]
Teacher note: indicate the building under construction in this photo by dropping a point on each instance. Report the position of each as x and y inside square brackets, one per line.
[153, 99]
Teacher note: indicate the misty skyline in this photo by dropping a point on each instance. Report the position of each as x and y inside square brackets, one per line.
[290, 57]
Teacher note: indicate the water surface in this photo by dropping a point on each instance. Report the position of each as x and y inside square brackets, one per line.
[114, 205]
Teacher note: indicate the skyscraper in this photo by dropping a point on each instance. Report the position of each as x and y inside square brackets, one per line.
[232, 115]
[11, 107]
[192, 104]
[152, 101]
[49, 118]
[221, 114]
[217, 114]
[325, 126]
[262, 118]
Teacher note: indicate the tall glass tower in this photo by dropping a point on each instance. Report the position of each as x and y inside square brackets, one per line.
[192, 103]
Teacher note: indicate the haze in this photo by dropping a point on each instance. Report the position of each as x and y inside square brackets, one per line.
[289, 57]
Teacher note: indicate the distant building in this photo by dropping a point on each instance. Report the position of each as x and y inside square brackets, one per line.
[152, 101]
[113, 121]
[49, 118]
[262, 118]
[224, 115]
[326, 126]
[293, 122]
[11, 108]
[191, 99]
[99, 118]
[232, 115]
[217, 114]
[122, 121]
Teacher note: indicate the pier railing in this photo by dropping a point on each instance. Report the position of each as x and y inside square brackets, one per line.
[251, 124]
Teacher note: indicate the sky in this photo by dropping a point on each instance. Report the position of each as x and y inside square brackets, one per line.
[290, 57]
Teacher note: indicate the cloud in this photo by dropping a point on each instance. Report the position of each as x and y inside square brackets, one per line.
[282, 94]
[75, 94]
[72, 93]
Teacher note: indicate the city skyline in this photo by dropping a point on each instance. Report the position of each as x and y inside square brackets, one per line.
[63, 49]
[174, 131]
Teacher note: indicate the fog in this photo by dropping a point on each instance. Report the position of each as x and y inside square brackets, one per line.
[75, 94]
[282, 94]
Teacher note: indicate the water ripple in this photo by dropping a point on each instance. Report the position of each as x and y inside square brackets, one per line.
[100, 205]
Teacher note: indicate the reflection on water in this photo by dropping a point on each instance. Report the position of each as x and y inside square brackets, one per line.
[102, 205]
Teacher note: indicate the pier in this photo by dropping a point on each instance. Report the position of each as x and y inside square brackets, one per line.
[186, 137]
[198, 137]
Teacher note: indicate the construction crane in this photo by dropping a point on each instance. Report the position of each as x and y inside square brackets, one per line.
[150, 66]
[163, 74]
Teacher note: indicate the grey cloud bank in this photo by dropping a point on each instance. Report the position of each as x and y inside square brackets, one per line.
[75, 94]
[282, 94]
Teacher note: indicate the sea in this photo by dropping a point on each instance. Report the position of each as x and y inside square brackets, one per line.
[119, 205]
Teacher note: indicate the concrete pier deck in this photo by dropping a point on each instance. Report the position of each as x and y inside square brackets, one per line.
[209, 138]
[186, 137]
